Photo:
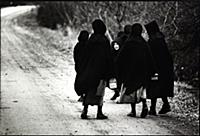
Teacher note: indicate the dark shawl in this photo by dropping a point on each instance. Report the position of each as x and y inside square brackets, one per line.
[165, 67]
[80, 55]
[99, 64]
[133, 63]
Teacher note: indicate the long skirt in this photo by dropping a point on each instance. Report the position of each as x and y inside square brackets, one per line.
[95, 96]
[160, 87]
[134, 97]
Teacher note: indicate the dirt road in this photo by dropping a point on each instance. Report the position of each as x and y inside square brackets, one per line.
[37, 95]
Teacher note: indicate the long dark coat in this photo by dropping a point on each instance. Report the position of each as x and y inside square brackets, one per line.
[80, 56]
[100, 64]
[133, 62]
[120, 41]
[81, 60]
[164, 67]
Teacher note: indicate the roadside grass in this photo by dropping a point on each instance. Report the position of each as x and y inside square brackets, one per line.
[184, 110]
[186, 102]
[184, 105]
[59, 42]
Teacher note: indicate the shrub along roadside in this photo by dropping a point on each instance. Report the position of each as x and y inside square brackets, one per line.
[174, 18]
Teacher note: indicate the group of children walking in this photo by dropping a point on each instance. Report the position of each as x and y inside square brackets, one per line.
[142, 69]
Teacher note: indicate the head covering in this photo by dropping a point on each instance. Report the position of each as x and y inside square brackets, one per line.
[98, 26]
[152, 27]
[120, 33]
[83, 36]
[136, 29]
[127, 29]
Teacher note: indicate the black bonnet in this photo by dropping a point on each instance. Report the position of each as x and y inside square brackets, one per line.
[83, 36]
[136, 29]
[127, 29]
[98, 26]
[152, 27]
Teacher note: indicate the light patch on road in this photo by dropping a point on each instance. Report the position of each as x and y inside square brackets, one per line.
[11, 10]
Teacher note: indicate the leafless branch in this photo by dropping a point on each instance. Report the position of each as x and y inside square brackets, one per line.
[120, 14]
[107, 32]
[99, 13]
[166, 18]
[123, 14]
[174, 19]
[144, 12]
[66, 14]
[58, 10]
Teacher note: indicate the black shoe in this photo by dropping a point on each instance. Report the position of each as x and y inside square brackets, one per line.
[84, 116]
[80, 99]
[152, 112]
[144, 112]
[164, 109]
[101, 116]
[115, 96]
[132, 114]
[118, 102]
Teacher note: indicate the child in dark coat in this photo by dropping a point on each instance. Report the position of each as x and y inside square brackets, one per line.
[80, 59]
[164, 86]
[133, 64]
[116, 46]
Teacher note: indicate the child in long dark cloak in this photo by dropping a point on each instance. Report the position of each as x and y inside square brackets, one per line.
[80, 59]
[134, 62]
[99, 69]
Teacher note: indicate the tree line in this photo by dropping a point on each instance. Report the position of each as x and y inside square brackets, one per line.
[179, 21]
